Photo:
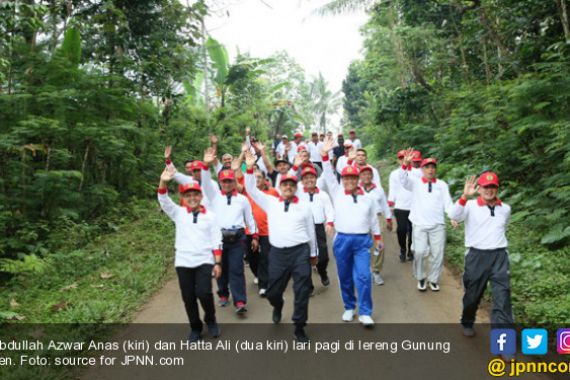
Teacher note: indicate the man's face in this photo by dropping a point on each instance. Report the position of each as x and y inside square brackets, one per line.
[304, 155]
[297, 140]
[197, 174]
[227, 162]
[340, 140]
[429, 171]
[228, 185]
[188, 168]
[360, 158]
[352, 136]
[488, 193]
[401, 160]
[285, 141]
[259, 179]
[366, 177]
[192, 198]
[350, 183]
[282, 167]
[322, 138]
[315, 138]
[309, 181]
[288, 189]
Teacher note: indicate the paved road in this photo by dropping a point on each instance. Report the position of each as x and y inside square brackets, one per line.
[397, 301]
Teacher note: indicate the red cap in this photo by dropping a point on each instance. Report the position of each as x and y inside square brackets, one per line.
[401, 154]
[288, 177]
[198, 165]
[487, 179]
[301, 147]
[350, 171]
[226, 174]
[308, 170]
[366, 168]
[417, 155]
[195, 186]
[428, 161]
[352, 131]
[298, 134]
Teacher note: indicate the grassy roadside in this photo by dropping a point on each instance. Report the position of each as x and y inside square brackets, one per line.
[79, 294]
[104, 282]
[540, 278]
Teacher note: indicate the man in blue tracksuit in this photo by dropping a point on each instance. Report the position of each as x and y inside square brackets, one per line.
[355, 219]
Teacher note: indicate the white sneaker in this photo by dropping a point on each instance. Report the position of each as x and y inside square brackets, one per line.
[378, 279]
[434, 287]
[422, 286]
[255, 281]
[348, 315]
[262, 292]
[366, 320]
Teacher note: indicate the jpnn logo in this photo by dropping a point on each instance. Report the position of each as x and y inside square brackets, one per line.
[534, 341]
[503, 342]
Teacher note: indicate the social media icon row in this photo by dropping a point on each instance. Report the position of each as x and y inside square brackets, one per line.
[534, 341]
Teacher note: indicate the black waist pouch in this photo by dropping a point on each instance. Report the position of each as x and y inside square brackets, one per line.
[232, 235]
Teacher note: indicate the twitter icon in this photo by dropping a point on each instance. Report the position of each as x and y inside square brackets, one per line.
[534, 341]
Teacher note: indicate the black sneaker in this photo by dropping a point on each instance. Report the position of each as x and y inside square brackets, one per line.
[410, 256]
[325, 281]
[195, 336]
[240, 308]
[214, 330]
[402, 257]
[300, 335]
[277, 314]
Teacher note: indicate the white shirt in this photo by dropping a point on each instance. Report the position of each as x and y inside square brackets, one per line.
[482, 231]
[195, 243]
[286, 228]
[427, 207]
[321, 206]
[379, 197]
[235, 215]
[356, 143]
[183, 179]
[350, 217]
[341, 163]
[315, 151]
[398, 197]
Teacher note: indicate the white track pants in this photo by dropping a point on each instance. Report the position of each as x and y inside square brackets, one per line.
[429, 247]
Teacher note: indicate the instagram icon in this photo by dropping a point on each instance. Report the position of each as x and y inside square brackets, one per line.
[563, 341]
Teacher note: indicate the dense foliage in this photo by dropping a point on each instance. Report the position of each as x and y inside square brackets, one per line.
[477, 84]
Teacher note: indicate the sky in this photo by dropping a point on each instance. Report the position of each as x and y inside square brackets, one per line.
[318, 43]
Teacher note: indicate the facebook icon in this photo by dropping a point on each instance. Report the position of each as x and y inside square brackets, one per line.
[503, 342]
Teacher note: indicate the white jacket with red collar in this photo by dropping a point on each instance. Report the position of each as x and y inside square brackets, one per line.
[198, 237]
[485, 228]
[430, 200]
[320, 202]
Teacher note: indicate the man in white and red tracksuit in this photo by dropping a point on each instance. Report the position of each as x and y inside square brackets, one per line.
[355, 221]
[486, 219]
[234, 213]
[401, 200]
[293, 246]
[198, 252]
[323, 216]
[430, 201]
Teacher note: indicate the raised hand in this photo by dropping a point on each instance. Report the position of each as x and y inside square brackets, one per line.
[328, 144]
[235, 164]
[298, 161]
[471, 187]
[209, 156]
[167, 174]
[259, 147]
[352, 154]
[409, 156]
[167, 152]
[249, 160]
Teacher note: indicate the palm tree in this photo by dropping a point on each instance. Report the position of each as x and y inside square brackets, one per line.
[325, 102]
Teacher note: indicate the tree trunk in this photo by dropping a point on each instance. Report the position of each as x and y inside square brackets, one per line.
[486, 63]
[83, 165]
[562, 8]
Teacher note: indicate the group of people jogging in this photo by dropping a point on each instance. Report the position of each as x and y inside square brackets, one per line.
[275, 215]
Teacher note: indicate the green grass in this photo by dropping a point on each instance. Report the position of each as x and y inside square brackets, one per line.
[540, 277]
[104, 282]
